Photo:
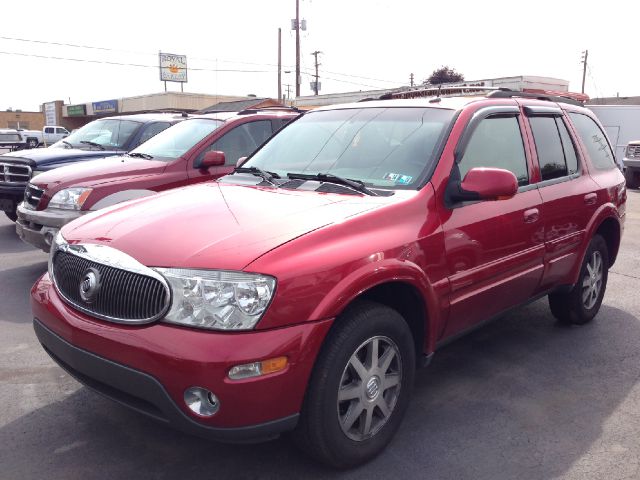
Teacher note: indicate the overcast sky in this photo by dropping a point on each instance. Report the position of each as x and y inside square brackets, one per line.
[365, 44]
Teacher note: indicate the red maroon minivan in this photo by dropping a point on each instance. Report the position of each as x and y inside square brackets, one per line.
[301, 292]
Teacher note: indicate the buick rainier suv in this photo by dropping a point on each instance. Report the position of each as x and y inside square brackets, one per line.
[301, 292]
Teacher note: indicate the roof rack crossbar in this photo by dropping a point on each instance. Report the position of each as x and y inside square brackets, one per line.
[276, 108]
[505, 93]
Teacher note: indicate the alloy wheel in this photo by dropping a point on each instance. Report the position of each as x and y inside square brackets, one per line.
[592, 280]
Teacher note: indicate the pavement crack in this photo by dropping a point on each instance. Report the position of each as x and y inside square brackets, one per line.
[625, 275]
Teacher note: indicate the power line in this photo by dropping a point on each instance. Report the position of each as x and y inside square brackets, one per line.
[93, 47]
[106, 62]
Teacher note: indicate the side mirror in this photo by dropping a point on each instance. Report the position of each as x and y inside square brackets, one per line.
[487, 184]
[212, 158]
[240, 161]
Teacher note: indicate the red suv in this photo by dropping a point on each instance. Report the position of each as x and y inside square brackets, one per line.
[195, 150]
[301, 292]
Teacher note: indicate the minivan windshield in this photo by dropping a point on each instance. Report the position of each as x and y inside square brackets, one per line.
[176, 140]
[382, 147]
[106, 134]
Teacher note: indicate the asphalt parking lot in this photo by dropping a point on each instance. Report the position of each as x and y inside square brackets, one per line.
[519, 398]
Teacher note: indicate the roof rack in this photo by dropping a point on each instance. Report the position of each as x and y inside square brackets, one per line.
[507, 93]
[276, 108]
[439, 91]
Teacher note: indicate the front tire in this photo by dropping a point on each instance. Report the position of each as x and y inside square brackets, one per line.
[360, 387]
[13, 216]
[583, 301]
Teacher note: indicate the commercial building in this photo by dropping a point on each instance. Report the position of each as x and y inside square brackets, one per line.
[524, 83]
[20, 119]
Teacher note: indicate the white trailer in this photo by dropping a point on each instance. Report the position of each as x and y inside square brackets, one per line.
[621, 123]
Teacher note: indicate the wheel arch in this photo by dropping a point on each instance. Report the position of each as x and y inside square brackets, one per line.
[610, 230]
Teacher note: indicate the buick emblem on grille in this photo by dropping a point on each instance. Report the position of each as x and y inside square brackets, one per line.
[90, 285]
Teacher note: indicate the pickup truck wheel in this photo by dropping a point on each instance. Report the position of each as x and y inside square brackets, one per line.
[583, 301]
[630, 175]
[13, 216]
[360, 387]
[32, 143]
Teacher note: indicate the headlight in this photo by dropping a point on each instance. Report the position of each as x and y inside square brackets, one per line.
[216, 299]
[70, 198]
[58, 240]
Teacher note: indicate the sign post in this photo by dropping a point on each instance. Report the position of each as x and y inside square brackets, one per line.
[173, 68]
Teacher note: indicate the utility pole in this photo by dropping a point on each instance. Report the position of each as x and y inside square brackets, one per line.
[288, 85]
[316, 85]
[585, 54]
[279, 64]
[297, 48]
[411, 79]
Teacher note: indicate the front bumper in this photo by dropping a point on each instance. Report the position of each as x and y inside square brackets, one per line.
[631, 162]
[39, 227]
[149, 367]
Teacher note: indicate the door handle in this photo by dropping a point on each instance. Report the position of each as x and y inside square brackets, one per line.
[591, 198]
[532, 215]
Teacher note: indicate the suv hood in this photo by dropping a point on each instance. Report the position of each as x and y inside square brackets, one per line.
[96, 172]
[212, 225]
[50, 157]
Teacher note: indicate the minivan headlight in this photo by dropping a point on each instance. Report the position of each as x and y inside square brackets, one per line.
[217, 299]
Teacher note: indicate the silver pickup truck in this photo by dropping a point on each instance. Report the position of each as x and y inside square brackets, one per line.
[632, 164]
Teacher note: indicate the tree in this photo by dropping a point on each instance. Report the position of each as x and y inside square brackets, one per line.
[444, 75]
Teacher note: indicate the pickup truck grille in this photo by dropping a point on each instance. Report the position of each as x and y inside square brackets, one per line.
[32, 196]
[119, 295]
[14, 173]
[633, 151]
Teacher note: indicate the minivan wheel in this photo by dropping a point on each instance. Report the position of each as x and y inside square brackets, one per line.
[360, 387]
[583, 301]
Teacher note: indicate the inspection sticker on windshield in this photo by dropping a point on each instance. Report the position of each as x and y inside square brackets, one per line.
[397, 178]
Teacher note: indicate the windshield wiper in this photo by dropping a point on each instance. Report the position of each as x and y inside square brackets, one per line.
[146, 156]
[266, 176]
[330, 178]
[93, 144]
[67, 144]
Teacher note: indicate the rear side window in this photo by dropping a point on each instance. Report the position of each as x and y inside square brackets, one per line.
[556, 153]
[241, 141]
[496, 142]
[595, 140]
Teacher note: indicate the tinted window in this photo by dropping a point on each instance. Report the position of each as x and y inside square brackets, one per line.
[152, 130]
[569, 148]
[383, 147]
[241, 141]
[595, 140]
[48, 130]
[61, 130]
[549, 147]
[110, 133]
[497, 143]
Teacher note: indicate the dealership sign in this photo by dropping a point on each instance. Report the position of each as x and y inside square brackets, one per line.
[173, 68]
[106, 106]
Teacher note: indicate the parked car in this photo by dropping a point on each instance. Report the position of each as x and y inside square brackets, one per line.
[101, 138]
[195, 150]
[301, 292]
[632, 164]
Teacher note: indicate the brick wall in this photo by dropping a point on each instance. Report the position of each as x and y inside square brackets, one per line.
[27, 120]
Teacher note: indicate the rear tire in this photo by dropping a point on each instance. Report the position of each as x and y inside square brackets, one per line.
[582, 302]
[360, 387]
[32, 143]
[630, 175]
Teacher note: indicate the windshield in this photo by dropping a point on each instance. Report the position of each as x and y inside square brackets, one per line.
[175, 141]
[111, 134]
[382, 147]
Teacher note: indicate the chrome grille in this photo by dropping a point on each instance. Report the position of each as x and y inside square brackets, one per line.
[32, 196]
[633, 151]
[122, 296]
[14, 173]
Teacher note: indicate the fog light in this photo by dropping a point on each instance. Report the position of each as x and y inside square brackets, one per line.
[201, 401]
[257, 369]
